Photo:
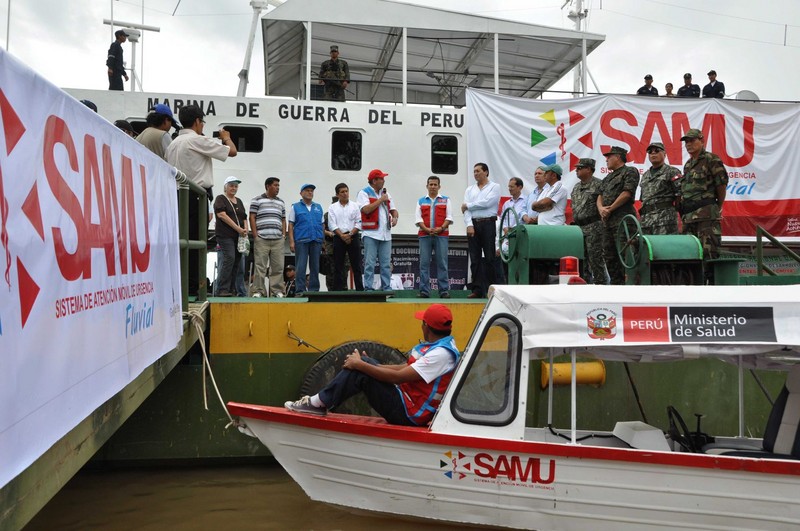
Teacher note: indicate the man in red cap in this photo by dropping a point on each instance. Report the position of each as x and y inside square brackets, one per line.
[407, 394]
[378, 216]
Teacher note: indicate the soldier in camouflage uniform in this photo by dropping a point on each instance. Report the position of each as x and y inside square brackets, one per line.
[703, 189]
[615, 201]
[587, 217]
[335, 74]
[660, 189]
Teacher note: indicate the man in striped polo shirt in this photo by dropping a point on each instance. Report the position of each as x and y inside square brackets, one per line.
[268, 216]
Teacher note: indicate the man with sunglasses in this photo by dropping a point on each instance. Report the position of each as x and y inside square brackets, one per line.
[703, 191]
[660, 189]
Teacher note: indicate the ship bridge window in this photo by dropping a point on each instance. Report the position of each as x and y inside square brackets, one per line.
[346, 150]
[248, 139]
[487, 394]
[444, 154]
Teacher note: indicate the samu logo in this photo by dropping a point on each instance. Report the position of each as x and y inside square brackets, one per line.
[537, 137]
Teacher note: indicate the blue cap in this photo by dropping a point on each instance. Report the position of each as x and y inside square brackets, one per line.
[308, 186]
[163, 109]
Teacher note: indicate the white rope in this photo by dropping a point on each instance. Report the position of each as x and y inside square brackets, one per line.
[198, 321]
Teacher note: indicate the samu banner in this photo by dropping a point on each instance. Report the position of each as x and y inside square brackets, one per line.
[757, 143]
[89, 263]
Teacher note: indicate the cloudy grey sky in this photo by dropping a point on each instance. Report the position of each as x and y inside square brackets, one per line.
[753, 45]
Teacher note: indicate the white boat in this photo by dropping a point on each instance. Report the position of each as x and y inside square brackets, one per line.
[479, 463]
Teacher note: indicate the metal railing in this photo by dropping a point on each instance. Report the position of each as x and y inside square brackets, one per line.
[185, 188]
[761, 267]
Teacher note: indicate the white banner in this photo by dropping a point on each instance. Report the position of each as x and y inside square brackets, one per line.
[89, 263]
[757, 142]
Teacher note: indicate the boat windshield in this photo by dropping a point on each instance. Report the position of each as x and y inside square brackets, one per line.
[488, 393]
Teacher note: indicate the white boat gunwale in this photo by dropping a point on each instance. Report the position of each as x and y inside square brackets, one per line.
[377, 428]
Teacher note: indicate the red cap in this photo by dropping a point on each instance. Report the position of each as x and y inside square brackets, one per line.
[437, 316]
[376, 174]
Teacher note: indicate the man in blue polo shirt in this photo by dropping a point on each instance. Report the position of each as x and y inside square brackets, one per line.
[305, 238]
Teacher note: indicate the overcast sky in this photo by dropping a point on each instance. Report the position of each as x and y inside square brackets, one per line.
[753, 45]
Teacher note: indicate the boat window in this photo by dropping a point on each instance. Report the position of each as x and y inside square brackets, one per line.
[488, 392]
[246, 139]
[346, 150]
[444, 154]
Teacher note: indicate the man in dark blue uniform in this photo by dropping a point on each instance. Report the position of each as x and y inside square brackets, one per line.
[689, 89]
[714, 89]
[116, 68]
[647, 89]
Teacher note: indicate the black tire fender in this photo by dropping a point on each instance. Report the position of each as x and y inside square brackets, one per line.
[328, 364]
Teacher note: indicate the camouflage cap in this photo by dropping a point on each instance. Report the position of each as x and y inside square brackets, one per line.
[692, 134]
[555, 168]
[586, 163]
[334, 48]
[616, 150]
[657, 145]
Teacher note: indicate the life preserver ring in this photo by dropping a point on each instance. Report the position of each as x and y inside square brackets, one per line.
[331, 362]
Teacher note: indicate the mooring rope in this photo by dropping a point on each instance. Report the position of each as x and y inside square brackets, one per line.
[197, 320]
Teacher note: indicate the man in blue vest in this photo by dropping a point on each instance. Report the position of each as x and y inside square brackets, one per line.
[305, 238]
[433, 217]
[407, 394]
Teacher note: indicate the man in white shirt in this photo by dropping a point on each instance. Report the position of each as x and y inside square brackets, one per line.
[481, 201]
[192, 153]
[531, 216]
[553, 202]
[344, 220]
[518, 203]
[378, 216]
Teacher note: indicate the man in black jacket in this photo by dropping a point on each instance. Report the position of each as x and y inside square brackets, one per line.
[714, 89]
[116, 68]
[689, 89]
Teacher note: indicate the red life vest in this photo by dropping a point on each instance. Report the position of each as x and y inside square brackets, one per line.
[439, 212]
[372, 220]
[422, 399]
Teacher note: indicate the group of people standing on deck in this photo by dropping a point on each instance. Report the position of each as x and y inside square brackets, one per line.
[672, 201]
[714, 88]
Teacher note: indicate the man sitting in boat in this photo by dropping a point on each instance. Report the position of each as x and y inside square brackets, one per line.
[406, 394]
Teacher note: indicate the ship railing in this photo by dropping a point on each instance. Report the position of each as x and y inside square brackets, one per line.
[187, 189]
[761, 267]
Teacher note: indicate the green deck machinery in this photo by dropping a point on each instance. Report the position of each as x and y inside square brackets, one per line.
[532, 252]
[658, 259]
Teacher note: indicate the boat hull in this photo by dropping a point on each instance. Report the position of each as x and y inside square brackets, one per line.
[367, 464]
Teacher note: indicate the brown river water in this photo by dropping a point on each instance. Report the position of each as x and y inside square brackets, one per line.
[199, 498]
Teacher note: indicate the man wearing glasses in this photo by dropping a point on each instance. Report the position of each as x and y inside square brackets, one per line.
[192, 153]
[703, 190]
[660, 189]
